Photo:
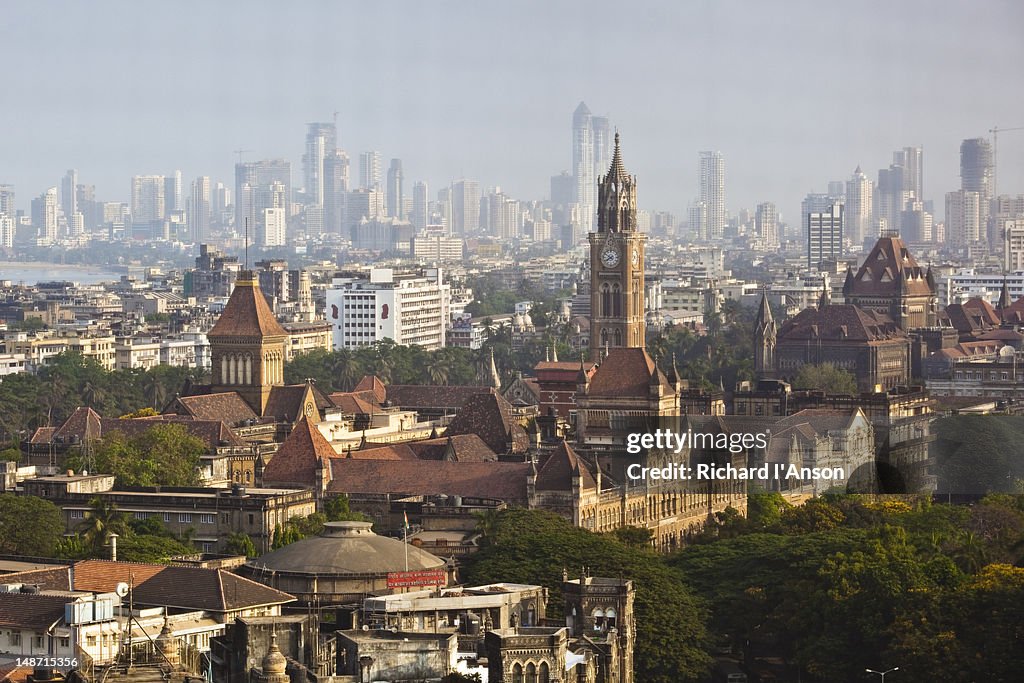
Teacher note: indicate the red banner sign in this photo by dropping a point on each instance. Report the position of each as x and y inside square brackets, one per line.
[424, 577]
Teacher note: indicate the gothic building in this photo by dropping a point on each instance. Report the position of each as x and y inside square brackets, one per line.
[891, 282]
[247, 346]
[616, 265]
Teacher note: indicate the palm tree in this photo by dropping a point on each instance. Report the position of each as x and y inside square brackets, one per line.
[346, 370]
[101, 520]
[92, 393]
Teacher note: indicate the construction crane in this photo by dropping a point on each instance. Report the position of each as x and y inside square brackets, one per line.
[240, 152]
[995, 131]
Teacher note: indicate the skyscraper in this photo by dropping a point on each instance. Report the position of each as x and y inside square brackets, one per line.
[321, 141]
[68, 194]
[149, 202]
[901, 183]
[199, 214]
[824, 225]
[602, 144]
[712, 192]
[44, 216]
[976, 167]
[395, 189]
[465, 207]
[583, 165]
[172, 194]
[370, 170]
[766, 223]
[7, 201]
[336, 186]
[420, 205]
[859, 220]
[254, 178]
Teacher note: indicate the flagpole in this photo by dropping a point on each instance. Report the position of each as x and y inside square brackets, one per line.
[405, 517]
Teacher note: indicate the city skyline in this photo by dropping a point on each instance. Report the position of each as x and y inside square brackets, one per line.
[794, 142]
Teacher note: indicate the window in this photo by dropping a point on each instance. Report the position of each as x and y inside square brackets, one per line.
[65, 642]
[15, 638]
[207, 519]
[185, 518]
[167, 517]
[78, 514]
[252, 519]
[517, 673]
[90, 641]
[141, 515]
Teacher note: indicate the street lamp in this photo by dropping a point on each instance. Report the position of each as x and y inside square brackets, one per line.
[882, 673]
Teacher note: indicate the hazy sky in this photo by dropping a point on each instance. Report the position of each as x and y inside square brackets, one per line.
[794, 94]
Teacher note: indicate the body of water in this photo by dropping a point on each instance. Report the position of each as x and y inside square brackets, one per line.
[31, 272]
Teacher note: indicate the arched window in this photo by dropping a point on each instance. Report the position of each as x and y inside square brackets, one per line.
[545, 672]
[616, 300]
[531, 673]
[618, 337]
[598, 619]
[517, 673]
[606, 300]
[609, 617]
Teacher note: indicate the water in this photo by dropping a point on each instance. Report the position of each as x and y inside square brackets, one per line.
[31, 272]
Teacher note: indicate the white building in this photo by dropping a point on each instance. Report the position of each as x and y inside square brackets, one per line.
[968, 283]
[408, 309]
[859, 207]
[274, 227]
[712, 192]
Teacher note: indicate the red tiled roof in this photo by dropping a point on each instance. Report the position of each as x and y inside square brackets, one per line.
[890, 269]
[212, 433]
[353, 403]
[457, 448]
[372, 384]
[840, 322]
[489, 416]
[247, 313]
[215, 590]
[83, 424]
[398, 451]
[31, 612]
[227, 407]
[492, 480]
[296, 460]
[556, 474]
[288, 402]
[423, 396]
[626, 372]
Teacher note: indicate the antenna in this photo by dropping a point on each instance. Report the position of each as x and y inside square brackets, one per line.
[247, 243]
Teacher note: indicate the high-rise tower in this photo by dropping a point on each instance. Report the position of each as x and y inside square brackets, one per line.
[859, 207]
[321, 141]
[395, 189]
[616, 264]
[712, 192]
[583, 165]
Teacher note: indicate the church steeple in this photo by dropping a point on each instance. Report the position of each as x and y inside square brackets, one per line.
[764, 339]
[616, 197]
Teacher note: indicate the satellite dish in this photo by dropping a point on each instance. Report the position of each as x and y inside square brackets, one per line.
[365, 627]
[122, 589]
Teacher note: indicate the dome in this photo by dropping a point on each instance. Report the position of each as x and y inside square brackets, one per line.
[274, 662]
[346, 548]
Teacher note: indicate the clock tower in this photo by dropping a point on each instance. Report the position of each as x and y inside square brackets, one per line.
[616, 265]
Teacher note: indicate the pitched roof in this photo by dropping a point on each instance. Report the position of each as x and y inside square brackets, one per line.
[423, 396]
[247, 313]
[490, 480]
[215, 590]
[557, 472]
[297, 459]
[889, 269]
[455, 447]
[83, 424]
[489, 416]
[353, 402]
[397, 451]
[373, 384]
[225, 406]
[287, 402]
[840, 322]
[32, 612]
[626, 372]
[212, 433]
[48, 579]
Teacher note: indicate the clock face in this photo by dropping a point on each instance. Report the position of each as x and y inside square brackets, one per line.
[636, 257]
[610, 256]
[309, 409]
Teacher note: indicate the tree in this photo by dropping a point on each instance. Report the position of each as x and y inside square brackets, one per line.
[164, 454]
[29, 526]
[336, 509]
[825, 377]
[153, 549]
[240, 543]
[101, 520]
[634, 537]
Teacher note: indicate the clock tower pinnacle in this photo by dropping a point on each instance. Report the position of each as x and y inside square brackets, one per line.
[616, 264]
